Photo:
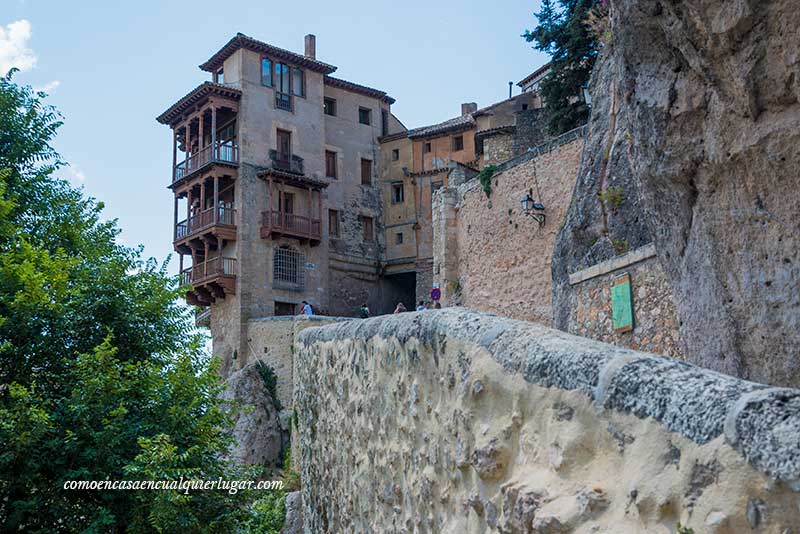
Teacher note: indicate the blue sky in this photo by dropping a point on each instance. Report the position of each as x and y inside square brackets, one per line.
[111, 67]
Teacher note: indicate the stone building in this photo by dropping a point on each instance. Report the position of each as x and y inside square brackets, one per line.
[277, 197]
[416, 163]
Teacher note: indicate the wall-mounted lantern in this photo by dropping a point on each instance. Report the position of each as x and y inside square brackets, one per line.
[532, 208]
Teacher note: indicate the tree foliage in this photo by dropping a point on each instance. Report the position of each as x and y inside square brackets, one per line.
[102, 375]
[562, 32]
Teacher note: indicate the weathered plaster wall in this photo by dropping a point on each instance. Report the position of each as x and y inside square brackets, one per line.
[456, 422]
[503, 257]
[655, 322]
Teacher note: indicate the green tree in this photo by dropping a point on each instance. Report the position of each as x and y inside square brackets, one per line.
[101, 371]
[563, 33]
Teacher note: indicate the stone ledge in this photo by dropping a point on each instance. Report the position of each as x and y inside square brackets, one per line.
[614, 264]
[694, 402]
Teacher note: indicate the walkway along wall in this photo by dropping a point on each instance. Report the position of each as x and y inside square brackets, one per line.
[455, 421]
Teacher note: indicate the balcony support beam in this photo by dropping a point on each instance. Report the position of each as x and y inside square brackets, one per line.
[175, 221]
[213, 132]
[216, 199]
[174, 154]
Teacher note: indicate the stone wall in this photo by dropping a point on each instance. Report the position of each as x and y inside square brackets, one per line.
[655, 324]
[457, 422]
[496, 258]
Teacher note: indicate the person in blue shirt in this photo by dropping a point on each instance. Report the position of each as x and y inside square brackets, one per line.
[307, 311]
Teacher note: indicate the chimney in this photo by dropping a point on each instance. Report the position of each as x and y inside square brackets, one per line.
[468, 107]
[311, 46]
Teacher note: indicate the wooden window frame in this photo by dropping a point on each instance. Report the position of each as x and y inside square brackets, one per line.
[368, 175]
[333, 215]
[335, 174]
[271, 72]
[369, 115]
[458, 139]
[333, 103]
[368, 236]
[398, 186]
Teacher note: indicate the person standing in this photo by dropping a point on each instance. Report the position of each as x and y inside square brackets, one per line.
[422, 306]
[400, 308]
[307, 310]
[363, 312]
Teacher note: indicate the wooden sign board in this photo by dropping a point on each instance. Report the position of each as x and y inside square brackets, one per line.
[622, 304]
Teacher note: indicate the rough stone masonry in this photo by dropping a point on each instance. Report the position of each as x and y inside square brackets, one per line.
[459, 422]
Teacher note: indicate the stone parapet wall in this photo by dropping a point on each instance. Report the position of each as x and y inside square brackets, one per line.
[487, 254]
[458, 422]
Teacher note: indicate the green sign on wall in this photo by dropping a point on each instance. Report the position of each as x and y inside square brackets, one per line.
[621, 304]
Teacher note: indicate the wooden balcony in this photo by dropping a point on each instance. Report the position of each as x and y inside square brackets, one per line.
[276, 224]
[210, 280]
[286, 163]
[225, 153]
[221, 225]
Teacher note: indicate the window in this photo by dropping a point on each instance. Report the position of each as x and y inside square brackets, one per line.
[458, 143]
[367, 227]
[284, 147]
[298, 82]
[524, 107]
[284, 308]
[435, 186]
[384, 122]
[266, 72]
[365, 116]
[398, 238]
[288, 203]
[426, 148]
[329, 106]
[333, 223]
[366, 172]
[283, 98]
[288, 269]
[398, 195]
[220, 76]
[395, 154]
[330, 164]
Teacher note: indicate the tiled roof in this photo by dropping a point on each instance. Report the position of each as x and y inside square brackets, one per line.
[243, 41]
[541, 70]
[360, 89]
[459, 123]
[196, 94]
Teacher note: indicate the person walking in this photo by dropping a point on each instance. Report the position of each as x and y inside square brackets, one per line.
[363, 312]
[400, 308]
[307, 310]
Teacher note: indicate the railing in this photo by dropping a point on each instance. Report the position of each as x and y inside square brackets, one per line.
[211, 268]
[283, 101]
[205, 219]
[289, 223]
[224, 152]
[285, 162]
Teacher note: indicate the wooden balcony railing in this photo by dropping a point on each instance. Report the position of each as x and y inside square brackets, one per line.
[286, 163]
[291, 224]
[205, 219]
[223, 152]
[209, 269]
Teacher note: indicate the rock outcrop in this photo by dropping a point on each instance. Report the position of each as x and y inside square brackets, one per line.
[458, 422]
[709, 126]
[257, 428]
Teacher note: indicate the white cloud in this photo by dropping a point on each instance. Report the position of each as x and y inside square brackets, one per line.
[49, 87]
[76, 174]
[14, 51]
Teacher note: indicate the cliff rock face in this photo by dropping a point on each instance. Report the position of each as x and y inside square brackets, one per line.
[711, 98]
[257, 427]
